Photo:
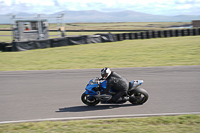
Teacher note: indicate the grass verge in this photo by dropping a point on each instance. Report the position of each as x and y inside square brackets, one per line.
[114, 26]
[173, 51]
[161, 124]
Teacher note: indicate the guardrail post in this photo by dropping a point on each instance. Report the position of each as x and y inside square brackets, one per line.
[125, 36]
[160, 34]
[115, 37]
[131, 36]
[198, 31]
[166, 33]
[194, 32]
[119, 37]
[171, 33]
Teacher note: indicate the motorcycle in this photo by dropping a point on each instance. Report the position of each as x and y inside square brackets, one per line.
[92, 96]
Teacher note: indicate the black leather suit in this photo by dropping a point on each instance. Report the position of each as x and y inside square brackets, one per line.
[118, 83]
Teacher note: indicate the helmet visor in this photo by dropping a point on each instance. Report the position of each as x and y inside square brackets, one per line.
[104, 75]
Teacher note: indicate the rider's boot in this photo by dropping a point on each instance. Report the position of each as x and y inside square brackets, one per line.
[107, 100]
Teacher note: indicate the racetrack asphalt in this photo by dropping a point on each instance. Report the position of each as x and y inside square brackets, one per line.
[31, 95]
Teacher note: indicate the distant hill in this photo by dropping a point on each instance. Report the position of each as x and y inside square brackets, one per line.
[97, 16]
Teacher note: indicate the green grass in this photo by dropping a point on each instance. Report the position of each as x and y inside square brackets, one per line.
[172, 51]
[114, 26]
[5, 38]
[162, 124]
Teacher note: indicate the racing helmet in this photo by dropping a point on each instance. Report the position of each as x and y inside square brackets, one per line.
[105, 72]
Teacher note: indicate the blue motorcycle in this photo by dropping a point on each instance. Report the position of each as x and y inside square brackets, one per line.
[92, 96]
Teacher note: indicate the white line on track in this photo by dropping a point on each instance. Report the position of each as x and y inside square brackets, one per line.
[98, 117]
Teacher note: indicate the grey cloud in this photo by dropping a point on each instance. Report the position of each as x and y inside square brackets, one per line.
[187, 2]
[151, 8]
[56, 3]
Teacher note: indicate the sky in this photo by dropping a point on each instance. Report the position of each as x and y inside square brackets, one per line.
[156, 7]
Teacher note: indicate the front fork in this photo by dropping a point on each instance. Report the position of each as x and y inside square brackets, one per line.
[91, 94]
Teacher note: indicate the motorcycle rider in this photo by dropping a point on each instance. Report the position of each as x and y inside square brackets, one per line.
[116, 82]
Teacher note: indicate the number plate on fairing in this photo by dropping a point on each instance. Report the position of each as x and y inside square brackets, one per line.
[137, 82]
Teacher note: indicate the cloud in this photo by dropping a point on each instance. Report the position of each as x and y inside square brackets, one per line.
[158, 7]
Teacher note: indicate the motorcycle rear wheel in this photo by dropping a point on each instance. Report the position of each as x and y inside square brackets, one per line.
[140, 96]
[88, 100]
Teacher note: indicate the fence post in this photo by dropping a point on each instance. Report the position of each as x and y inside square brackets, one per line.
[125, 36]
[190, 32]
[115, 37]
[119, 37]
[156, 34]
[182, 32]
[136, 35]
[160, 33]
[148, 34]
[153, 34]
[143, 35]
[171, 33]
[198, 31]
[131, 36]
[176, 33]
[2, 46]
[194, 32]
[166, 33]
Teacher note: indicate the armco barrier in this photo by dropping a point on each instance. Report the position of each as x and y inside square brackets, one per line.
[176, 33]
[136, 36]
[171, 33]
[77, 40]
[183, 32]
[194, 31]
[29, 45]
[160, 33]
[119, 37]
[40, 44]
[125, 36]
[142, 35]
[58, 42]
[149, 35]
[189, 32]
[8, 47]
[166, 33]
[115, 37]
[154, 34]
[131, 36]
[98, 38]
[106, 37]
[95, 39]
[2, 46]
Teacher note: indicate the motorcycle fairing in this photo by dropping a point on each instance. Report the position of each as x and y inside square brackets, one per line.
[89, 89]
[91, 92]
[103, 84]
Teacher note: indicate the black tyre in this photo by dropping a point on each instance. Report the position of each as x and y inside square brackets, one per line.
[139, 95]
[88, 100]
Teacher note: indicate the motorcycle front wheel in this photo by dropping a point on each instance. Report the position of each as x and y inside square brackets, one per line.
[139, 96]
[89, 100]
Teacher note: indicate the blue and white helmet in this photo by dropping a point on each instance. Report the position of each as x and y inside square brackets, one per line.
[105, 73]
